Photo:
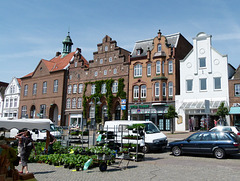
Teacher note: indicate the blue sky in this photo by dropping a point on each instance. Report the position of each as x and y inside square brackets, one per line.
[32, 30]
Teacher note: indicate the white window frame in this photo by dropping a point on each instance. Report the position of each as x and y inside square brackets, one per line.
[158, 67]
[68, 103]
[79, 103]
[136, 92]
[157, 89]
[34, 88]
[75, 64]
[101, 61]
[201, 61]
[80, 88]
[200, 84]
[170, 89]
[73, 103]
[55, 85]
[170, 66]
[115, 87]
[44, 90]
[110, 59]
[11, 102]
[149, 69]
[236, 89]
[115, 71]
[188, 81]
[159, 47]
[106, 48]
[69, 89]
[105, 72]
[215, 79]
[103, 88]
[26, 90]
[24, 111]
[74, 88]
[138, 70]
[96, 73]
[15, 101]
[143, 91]
[163, 67]
[93, 89]
[7, 102]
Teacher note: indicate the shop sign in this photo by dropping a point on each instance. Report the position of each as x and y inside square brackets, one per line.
[123, 101]
[123, 107]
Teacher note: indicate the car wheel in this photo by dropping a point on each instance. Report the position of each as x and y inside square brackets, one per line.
[176, 151]
[145, 148]
[219, 153]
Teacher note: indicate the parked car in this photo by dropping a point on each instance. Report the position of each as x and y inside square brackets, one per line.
[219, 144]
[234, 129]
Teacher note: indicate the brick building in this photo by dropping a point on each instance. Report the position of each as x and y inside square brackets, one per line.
[95, 91]
[43, 90]
[234, 98]
[154, 77]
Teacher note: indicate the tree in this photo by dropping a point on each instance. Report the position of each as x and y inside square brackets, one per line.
[222, 112]
[171, 115]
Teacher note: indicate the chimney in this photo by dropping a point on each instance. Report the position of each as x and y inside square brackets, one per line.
[148, 54]
[79, 50]
[159, 34]
[58, 53]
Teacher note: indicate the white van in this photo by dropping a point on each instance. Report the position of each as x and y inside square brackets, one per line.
[154, 138]
[37, 127]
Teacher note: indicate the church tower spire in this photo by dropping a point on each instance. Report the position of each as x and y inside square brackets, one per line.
[67, 45]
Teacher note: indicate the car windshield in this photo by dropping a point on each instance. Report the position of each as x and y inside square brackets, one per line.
[151, 128]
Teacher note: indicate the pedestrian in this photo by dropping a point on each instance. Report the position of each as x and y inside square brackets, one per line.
[50, 146]
[26, 146]
[215, 122]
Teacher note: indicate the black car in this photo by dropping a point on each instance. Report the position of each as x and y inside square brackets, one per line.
[219, 144]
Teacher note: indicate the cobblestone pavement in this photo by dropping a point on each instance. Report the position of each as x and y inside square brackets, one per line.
[157, 166]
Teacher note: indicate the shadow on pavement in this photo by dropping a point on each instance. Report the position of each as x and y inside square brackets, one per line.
[45, 172]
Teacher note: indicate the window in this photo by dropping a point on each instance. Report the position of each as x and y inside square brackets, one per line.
[156, 89]
[74, 88]
[68, 103]
[170, 66]
[114, 71]
[24, 111]
[164, 89]
[143, 91]
[138, 70]
[55, 86]
[43, 110]
[110, 59]
[80, 88]
[70, 77]
[115, 87]
[11, 102]
[203, 84]
[163, 67]
[217, 82]
[139, 51]
[79, 103]
[105, 72]
[74, 103]
[75, 64]
[170, 89]
[159, 47]
[135, 92]
[189, 85]
[34, 89]
[149, 69]
[7, 102]
[96, 74]
[44, 87]
[69, 89]
[25, 90]
[13, 89]
[101, 61]
[15, 102]
[106, 48]
[237, 89]
[103, 88]
[202, 62]
[93, 89]
[158, 67]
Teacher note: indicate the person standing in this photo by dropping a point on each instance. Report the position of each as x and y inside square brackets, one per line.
[50, 147]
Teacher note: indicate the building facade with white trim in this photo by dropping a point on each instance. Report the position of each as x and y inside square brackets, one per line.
[204, 75]
[11, 99]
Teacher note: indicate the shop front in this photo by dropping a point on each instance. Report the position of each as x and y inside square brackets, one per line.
[235, 116]
[151, 112]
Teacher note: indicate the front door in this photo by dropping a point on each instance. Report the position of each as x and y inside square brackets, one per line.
[191, 144]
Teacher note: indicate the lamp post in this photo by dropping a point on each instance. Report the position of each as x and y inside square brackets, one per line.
[94, 118]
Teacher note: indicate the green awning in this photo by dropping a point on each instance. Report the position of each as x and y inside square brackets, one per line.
[234, 110]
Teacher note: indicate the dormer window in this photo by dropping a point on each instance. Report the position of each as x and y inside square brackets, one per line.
[139, 51]
[106, 48]
[159, 47]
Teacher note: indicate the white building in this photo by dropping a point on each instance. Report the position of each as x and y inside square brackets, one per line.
[1, 105]
[11, 99]
[204, 75]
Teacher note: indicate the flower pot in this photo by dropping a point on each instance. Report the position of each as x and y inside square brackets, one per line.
[77, 168]
[66, 165]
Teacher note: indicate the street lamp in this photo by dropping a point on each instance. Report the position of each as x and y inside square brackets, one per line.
[94, 119]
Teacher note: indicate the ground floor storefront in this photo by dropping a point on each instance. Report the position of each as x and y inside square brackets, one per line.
[235, 116]
[150, 112]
